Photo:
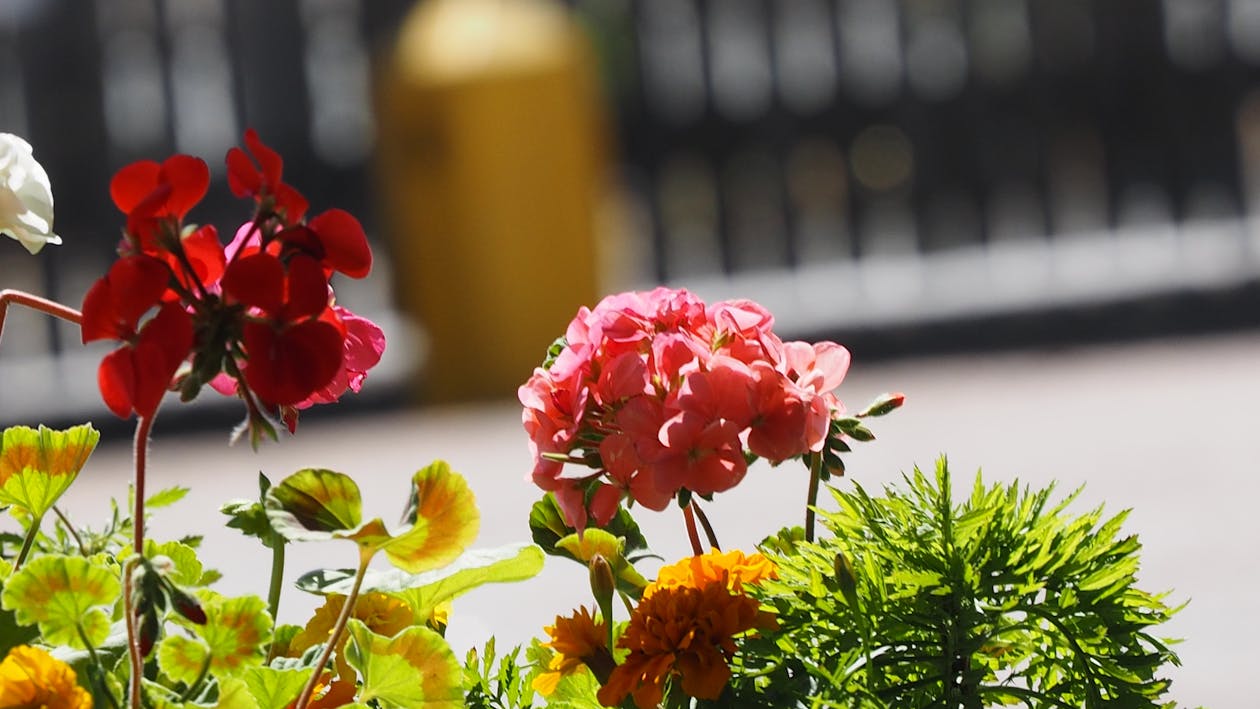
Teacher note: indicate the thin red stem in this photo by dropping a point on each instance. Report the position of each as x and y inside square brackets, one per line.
[141, 456]
[34, 302]
[690, 518]
[133, 640]
[708, 528]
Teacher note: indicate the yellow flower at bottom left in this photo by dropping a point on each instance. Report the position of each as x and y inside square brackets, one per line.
[30, 677]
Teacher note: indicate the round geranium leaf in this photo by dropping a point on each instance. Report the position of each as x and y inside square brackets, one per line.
[443, 518]
[65, 595]
[233, 638]
[312, 504]
[414, 668]
[38, 465]
[275, 688]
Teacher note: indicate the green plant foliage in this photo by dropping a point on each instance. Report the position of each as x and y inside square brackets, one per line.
[423, 592]
[492, 682]
[414, 668]
[920, 601]
[620, 542]
[233, 638]
[273, 688]
[66, 596]
[37, 466]
[441, 516]
[250, 517]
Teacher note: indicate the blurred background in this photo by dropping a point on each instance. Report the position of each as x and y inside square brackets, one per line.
[905, 177]
[1037, 217]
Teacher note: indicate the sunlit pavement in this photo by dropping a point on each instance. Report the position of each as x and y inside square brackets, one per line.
[1168, 429]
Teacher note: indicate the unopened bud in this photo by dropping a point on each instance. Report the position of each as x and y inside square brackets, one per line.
[603, 583]
[188, 606]
[884, 404]
[148, 632]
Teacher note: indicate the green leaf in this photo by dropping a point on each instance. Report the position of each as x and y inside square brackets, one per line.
[234, 637]
[275, 689]
[312, 504]
[443, 518]
[415, 668]
[63, 594]
[251, 516]
[37, 466]
[166, 498]
[546, 524]
[232, 694]
[423, 592]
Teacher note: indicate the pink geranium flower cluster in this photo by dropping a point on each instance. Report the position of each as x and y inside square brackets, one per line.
[656, 393]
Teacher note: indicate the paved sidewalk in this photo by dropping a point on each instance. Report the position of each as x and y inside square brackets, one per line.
[1166, 428]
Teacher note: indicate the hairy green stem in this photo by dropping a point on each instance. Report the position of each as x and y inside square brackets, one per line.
[27, 542]
[305, 697]
[277, 583]
[811, 497]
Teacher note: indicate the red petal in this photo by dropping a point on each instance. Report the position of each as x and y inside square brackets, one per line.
[116, 379]
[286, 367]
[291, 203]
[205, 252]
[243, 177]
[98, 314]
[165, 342]
[345, 245]
[307, 289]
[269, 160]
[256, 280]
[137, 283]
[133, 183]
[189, 178]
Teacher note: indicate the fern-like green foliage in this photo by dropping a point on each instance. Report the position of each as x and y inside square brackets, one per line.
[916, 599]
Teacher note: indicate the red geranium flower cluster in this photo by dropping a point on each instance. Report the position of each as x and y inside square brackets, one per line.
[661, 394]
[256, 318]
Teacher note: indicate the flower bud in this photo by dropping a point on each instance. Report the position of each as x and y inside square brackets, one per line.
[603, 583]
[884, 404]
[188, 606]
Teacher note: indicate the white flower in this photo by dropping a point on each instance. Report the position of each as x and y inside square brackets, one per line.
[26, 201]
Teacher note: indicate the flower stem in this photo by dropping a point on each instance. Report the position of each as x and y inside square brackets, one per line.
[70, 528]
[708, 528]
[133, 641]
[277, 582]
[305, 697]
[811, 499]
[690, 518]
[34, 302]
[97, 673]
[140, 455]
[28, 542]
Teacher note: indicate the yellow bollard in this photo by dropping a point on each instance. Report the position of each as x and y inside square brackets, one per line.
[492, 161]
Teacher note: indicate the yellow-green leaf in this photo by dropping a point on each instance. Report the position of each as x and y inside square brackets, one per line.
[187, 569]
[444, 520]
[64, 595]
[233, 694]
[275, 689]
[594, 541]
[415, 668]
[233, 637]
[311, 504]
[37, 466]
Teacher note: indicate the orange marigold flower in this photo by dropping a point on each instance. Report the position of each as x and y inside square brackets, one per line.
[685, 632]
[30, 677]
[578, 641]
[732, 569]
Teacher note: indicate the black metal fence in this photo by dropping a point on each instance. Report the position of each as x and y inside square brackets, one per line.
[859, 165]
